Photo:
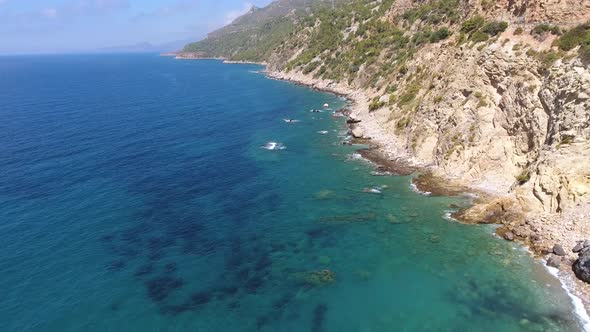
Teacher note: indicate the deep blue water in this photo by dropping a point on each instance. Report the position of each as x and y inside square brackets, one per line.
[135, 196]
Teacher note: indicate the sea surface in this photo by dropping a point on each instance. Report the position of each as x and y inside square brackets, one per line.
[136, 195]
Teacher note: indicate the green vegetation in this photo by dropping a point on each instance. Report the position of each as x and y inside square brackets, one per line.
[440, 34]
[567, 139]
[255, 44]
[479, 30]
[375, 105]
[547, 59]
[578, 36]
[541, 29]
[473, 24]
[523, 177]
[495, 27]
[409, 95]
[434, 12]
[356, 42]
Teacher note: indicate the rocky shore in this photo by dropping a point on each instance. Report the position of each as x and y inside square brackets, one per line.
[541, 232]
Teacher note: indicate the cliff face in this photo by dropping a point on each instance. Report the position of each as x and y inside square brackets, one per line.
[494, 94]
[508, 114]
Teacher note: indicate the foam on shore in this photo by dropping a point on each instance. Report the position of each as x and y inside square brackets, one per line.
[579, 309]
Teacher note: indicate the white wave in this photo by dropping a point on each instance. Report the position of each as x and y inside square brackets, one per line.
[355, 156]
[579, 309]
[418, 191]
[372, 191]
[291, 120]
[448, 215]
[274, 146]
[323, 132]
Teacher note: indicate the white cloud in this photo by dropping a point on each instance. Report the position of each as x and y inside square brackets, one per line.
[49, 12]
[232, 15]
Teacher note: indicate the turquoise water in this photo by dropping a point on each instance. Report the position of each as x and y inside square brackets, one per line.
[135, 195]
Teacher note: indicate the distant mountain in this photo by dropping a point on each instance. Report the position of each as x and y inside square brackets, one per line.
[145, 47]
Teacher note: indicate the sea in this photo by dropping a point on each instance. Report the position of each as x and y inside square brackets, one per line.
[143, 193]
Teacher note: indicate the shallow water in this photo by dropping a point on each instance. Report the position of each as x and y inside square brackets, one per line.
[136, 195]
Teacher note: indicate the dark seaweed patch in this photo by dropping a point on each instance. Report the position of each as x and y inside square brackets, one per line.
[174, 309]
[261, 321]
[233, 261]
[243, 273]
[159, 243]
[161, 287]
[282, 302]
[263, 263]
[233, 305]
[200, 298]
[317, 232]
[144, 270]
[228, 291]
[117, 265]
[254, 284]
[319, 315]
[498, 300]
[170, 268]
[155, 256]
[107, 238]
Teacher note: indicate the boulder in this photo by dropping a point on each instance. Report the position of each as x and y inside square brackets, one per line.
[578, 247]
[357, 132]
[509, 236]
[553, 261]
[582, 267]
[586, 243]
[558, 250]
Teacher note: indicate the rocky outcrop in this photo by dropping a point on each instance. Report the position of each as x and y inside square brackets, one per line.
[561, 11]
[582, 265]
[506, 116]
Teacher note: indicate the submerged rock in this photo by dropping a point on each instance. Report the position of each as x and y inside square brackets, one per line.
[324, 194]
[553, 261]
[317, 278]
[348, 218]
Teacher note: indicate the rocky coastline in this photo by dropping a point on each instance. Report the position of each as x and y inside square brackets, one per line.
[542, 233]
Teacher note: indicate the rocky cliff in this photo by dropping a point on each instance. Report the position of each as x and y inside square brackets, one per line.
[494, 95]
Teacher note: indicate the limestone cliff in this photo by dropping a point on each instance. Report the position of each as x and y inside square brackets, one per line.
[492, 94]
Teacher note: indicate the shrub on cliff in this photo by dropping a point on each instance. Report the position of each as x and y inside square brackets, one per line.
[495, 27]
[440, 34]
[473, 24]
[545, 28]
[578, 36]
[478, 36]
[375, 105]
[434, 12]
[523, 177]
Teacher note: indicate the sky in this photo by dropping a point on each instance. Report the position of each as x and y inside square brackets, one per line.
[59, 26]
